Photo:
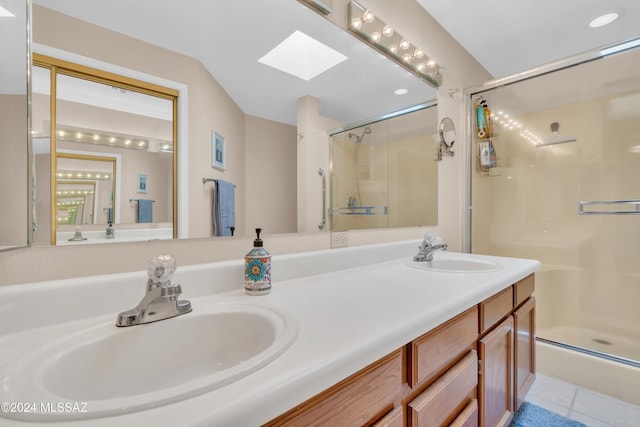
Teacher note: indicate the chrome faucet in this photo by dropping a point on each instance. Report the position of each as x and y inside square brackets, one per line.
[428, 247]
[161, 300]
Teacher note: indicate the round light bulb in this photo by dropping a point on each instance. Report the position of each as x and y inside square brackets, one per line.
[407, 57]
[387, 31]
[404, 44]
[418, 53]
[393, 48]
[376, 36]
[368, 16]
[356, 23]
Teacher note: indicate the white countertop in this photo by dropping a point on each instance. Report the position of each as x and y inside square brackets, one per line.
[348, 318]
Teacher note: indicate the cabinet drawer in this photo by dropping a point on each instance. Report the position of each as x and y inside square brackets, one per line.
[438, 349]
[392, 419]
[468, 417]
[443, 400]
[358, 400]
[523, 289]
[495, 308]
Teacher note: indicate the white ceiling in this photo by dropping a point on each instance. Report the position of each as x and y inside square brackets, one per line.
[228, 37]
[512, 36]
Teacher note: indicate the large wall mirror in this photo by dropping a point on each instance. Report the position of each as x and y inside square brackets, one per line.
[213, 51]
[14, 125]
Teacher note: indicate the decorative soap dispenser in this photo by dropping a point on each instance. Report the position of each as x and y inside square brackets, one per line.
[257, 269]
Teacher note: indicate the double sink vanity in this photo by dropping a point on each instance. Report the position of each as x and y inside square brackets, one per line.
[352, 336]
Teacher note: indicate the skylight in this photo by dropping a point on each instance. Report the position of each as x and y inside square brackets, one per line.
[302, 56]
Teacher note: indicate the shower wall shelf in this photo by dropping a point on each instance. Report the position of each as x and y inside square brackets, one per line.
[604, 203]
[360, 210]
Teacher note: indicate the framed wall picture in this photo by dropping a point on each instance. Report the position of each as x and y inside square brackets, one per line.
[143, 184]
[218, 155]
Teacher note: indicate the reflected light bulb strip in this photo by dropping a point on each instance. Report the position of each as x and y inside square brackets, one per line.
[506, 122]
[92, 175]
[383, 37]
[112, 140]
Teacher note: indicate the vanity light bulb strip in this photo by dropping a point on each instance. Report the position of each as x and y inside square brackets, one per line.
[383, 37]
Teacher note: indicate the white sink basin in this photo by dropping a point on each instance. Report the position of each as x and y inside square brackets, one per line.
[119, 370]
[456, 264]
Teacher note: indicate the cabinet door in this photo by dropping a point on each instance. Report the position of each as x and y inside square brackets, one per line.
[495, 379]
[525, 350]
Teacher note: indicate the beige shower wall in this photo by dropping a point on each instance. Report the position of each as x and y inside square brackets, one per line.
[529, 208]
[400, 175]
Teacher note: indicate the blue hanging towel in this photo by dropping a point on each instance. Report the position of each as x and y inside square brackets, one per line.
[145, 210]
[224, 212]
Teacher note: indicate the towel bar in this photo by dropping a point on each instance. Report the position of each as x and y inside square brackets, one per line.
[636, 203]
[324, 198]
[205, 180]
[135, 200]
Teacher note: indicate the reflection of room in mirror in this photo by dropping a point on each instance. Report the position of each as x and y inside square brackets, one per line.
[383, 173]
[110, 136]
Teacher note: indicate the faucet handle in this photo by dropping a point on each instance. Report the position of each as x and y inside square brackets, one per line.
[161, 269]
[430, 236]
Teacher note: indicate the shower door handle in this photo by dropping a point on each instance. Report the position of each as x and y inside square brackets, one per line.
[631, 203]
[324, 198]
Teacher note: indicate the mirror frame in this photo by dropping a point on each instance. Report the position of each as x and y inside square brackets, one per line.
[445, 148]
[58, 66]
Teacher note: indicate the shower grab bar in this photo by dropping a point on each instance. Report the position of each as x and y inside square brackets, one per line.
[636, 203]
[324, 198]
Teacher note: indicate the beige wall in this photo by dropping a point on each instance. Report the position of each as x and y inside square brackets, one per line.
[463, 71]
[270, 176]
[13, 162]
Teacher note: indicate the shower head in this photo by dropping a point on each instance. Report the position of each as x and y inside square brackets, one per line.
[555, 137]
[359, 139]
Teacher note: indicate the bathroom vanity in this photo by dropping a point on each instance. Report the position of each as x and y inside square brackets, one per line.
[353, 336]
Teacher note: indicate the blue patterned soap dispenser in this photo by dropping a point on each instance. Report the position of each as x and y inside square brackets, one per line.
[257, 269]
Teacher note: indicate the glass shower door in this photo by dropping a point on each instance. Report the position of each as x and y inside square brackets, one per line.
[565, 190]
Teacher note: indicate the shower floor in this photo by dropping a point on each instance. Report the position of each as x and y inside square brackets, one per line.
[619, 346]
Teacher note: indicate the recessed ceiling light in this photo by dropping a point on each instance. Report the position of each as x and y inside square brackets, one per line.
[604, 19]
[401, 91]
[302, 56]
[4, 13]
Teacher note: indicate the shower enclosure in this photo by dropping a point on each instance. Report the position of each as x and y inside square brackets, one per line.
[565, 189]
[383, 173]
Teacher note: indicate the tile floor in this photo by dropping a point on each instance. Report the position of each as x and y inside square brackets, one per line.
[581, 404]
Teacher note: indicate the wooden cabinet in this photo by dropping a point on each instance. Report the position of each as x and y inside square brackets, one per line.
[495, 376]
[361, 399]
[468, 417]
[524, 353]
[506, 351]
[442, 401]
[473, 370]
[435, 351]
[395, 418]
